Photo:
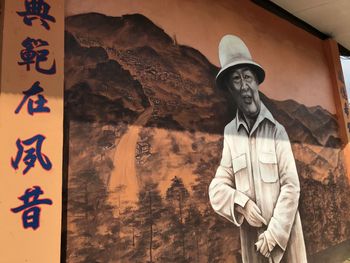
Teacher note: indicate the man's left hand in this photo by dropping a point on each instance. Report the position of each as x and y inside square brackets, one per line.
[262, 246]
[265, 244]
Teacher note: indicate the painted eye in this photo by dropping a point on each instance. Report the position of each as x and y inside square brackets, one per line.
[236, 79]
[248, 78]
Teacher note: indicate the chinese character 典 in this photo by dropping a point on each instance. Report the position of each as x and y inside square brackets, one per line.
[37, 9]
[32, 154]
[31, 202]
[40, 102]
[32, 52]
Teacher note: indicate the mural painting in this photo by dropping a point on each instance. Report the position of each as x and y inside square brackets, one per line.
[256, 185]
[145, 124]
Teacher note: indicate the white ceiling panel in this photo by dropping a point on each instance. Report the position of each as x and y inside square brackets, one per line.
[331, 17]
[298, 5]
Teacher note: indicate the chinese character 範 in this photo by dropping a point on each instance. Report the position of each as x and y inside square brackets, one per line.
[39, 103]
[32, 154]
[31, 202]
[36, 9]
[32, 54]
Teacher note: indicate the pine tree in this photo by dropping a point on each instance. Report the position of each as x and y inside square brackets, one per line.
[176, 196]
[148, 217]
[95, 230]
[193, 222]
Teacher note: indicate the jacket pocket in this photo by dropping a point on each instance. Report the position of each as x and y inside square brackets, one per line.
[268, 167]
[240, 171]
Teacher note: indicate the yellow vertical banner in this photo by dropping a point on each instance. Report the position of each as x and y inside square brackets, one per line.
[31, 129]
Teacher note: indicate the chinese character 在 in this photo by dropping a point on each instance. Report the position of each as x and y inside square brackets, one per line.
[39, 103]
[37, 9]
[30, 207]
[32, 154]
[32, 54]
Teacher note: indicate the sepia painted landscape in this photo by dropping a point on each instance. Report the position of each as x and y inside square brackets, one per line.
[145, 124]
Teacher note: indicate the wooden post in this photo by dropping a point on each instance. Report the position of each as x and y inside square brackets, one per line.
[340, 97]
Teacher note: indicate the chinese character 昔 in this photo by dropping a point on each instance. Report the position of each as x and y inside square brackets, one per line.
[32, 154]
[30, 207]
[39, 103]
[37, 9]
[34, 54]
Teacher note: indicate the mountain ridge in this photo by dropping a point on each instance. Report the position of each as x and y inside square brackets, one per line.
[162, 66]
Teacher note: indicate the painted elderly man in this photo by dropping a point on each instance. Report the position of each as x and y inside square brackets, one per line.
[256, 185]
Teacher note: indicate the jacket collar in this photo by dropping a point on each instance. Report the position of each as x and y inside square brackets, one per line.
[263, 114]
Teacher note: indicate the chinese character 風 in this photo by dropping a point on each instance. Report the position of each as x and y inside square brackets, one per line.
[39, 103]
[32, 54]
[32, 154]
[30, 207]
[37, 9]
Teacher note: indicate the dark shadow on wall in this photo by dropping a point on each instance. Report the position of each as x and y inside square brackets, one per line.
[66, 140]
[126, 80]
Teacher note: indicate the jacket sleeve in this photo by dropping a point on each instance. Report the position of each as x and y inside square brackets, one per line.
[286, 207]
[222, 193]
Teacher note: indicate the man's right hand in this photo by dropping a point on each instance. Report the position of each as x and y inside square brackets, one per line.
[252, 214]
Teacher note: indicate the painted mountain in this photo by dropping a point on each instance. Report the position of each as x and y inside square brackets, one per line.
[144, 125]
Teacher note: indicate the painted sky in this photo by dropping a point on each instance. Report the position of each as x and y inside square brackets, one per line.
[294, 61]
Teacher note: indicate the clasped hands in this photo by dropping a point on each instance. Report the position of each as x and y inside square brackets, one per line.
[252, 214]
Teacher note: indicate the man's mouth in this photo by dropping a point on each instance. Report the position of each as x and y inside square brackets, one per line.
[247, 99]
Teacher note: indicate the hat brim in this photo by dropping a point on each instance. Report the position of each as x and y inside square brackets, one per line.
[259, 71]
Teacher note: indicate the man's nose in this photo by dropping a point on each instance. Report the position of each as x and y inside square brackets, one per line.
[245, 85]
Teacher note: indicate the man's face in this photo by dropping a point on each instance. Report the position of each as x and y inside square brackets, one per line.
[243, 86]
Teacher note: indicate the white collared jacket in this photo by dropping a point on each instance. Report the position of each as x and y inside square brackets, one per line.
[259, 165]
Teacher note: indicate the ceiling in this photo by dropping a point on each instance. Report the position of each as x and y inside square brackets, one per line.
[330, 17]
